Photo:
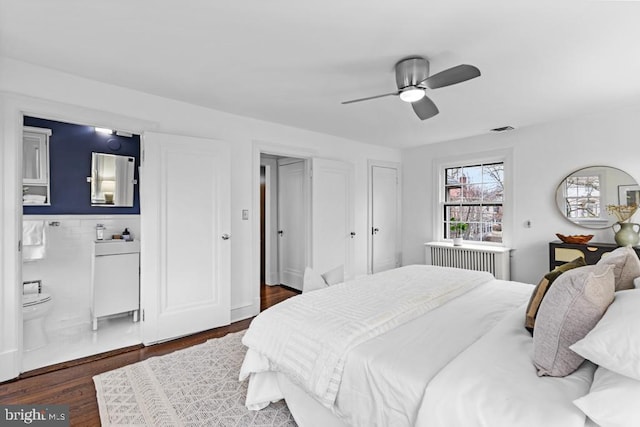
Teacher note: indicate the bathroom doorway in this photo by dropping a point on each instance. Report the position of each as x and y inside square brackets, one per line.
[65, 209]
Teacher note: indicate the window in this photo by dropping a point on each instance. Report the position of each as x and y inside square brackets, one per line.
[474, 195]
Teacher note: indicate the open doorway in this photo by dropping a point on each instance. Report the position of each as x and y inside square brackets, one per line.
[61, 212]
[283, 222]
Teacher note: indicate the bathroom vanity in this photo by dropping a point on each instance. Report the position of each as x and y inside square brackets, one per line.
[115, 279]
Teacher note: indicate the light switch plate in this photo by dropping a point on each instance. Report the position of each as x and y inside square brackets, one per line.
[245, 214]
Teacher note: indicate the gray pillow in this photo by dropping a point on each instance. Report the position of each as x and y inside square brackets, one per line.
[626, 266]
[570, 309]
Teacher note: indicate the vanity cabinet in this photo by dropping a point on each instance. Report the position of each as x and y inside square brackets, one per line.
[35, 166]
[115, 284]
[560, 253]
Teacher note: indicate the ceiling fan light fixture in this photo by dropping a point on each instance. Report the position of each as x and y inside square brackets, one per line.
[412, 94]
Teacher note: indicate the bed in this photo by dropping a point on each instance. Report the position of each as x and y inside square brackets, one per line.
[415, 346]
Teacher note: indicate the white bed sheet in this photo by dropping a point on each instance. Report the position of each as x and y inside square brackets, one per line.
[494, 383]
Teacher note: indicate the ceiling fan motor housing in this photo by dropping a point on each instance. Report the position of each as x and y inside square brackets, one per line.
[411, 71]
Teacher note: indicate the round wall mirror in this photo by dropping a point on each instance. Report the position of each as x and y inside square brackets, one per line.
[583, 196]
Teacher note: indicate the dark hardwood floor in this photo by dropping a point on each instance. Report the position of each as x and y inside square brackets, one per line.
[71, 383]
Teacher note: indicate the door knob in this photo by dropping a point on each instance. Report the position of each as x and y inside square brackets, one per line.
[226, 236]
[353, 234]
[375, 230]
[280, 232]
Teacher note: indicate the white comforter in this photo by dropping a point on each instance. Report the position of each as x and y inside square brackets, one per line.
[494, 383]
[465, 363]
[385, 378]
[323, 326]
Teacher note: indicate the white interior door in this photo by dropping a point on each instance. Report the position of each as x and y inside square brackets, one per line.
[332, 215]
[292, 214]
[384, 218]
[185, 254]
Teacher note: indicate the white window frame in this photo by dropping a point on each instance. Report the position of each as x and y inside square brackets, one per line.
[504, 156]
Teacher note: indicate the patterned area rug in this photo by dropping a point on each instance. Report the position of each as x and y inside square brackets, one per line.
[197, 386]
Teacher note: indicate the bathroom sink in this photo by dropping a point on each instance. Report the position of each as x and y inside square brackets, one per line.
[116, 247]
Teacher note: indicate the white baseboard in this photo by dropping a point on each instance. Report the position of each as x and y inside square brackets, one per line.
[9, 365]
[273, 279]
[245, 312]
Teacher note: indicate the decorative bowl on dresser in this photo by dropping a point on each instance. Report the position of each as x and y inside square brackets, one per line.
[575, 238]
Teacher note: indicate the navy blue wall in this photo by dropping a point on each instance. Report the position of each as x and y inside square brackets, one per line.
[70, 148]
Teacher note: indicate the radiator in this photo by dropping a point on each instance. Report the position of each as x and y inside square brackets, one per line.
[493, 259]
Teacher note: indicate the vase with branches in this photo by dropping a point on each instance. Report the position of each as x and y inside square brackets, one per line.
[628, 233]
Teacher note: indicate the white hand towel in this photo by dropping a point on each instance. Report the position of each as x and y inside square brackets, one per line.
[33, 240]
[32, 232]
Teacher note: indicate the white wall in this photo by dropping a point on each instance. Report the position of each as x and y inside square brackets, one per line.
[55, 95]
[542, 156]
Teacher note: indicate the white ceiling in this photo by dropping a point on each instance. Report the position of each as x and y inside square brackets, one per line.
[293, 62]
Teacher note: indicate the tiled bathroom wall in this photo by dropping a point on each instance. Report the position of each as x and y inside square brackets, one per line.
[65, 270]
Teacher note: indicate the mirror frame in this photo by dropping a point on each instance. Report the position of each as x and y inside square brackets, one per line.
[120, 181]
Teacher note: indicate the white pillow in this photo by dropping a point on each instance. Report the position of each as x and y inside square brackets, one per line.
[334, 276]
[312, 281]
[612, 400]
[615, 340]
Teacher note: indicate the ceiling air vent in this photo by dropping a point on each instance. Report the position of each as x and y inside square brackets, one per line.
[503, 129]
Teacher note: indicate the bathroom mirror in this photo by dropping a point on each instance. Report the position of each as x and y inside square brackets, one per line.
[583, 195]
[111, 180]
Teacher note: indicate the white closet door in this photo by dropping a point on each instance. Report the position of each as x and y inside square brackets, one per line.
[332, 216]
[384, 218]
[292, 216]
[185, 254]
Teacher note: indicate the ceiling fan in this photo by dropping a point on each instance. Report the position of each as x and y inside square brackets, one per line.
[412, 79]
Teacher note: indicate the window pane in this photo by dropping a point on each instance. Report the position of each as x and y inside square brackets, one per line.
[472, 192]
[472, 174]
[493, 173]
[453, 175]
[460, 213]
[493, 192]
[453, 194]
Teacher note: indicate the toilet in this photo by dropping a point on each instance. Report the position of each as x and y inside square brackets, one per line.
[35, 308]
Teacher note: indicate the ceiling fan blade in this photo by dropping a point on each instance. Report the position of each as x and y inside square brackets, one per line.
[451, 76]
[371, 97]
[425, 108]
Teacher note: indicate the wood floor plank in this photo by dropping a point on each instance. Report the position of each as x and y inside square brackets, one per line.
[71, 383]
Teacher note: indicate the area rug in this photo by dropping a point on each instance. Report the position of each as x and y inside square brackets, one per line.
[197, 386]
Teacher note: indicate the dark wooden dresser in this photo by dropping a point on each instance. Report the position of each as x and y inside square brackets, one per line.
[560, 252]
